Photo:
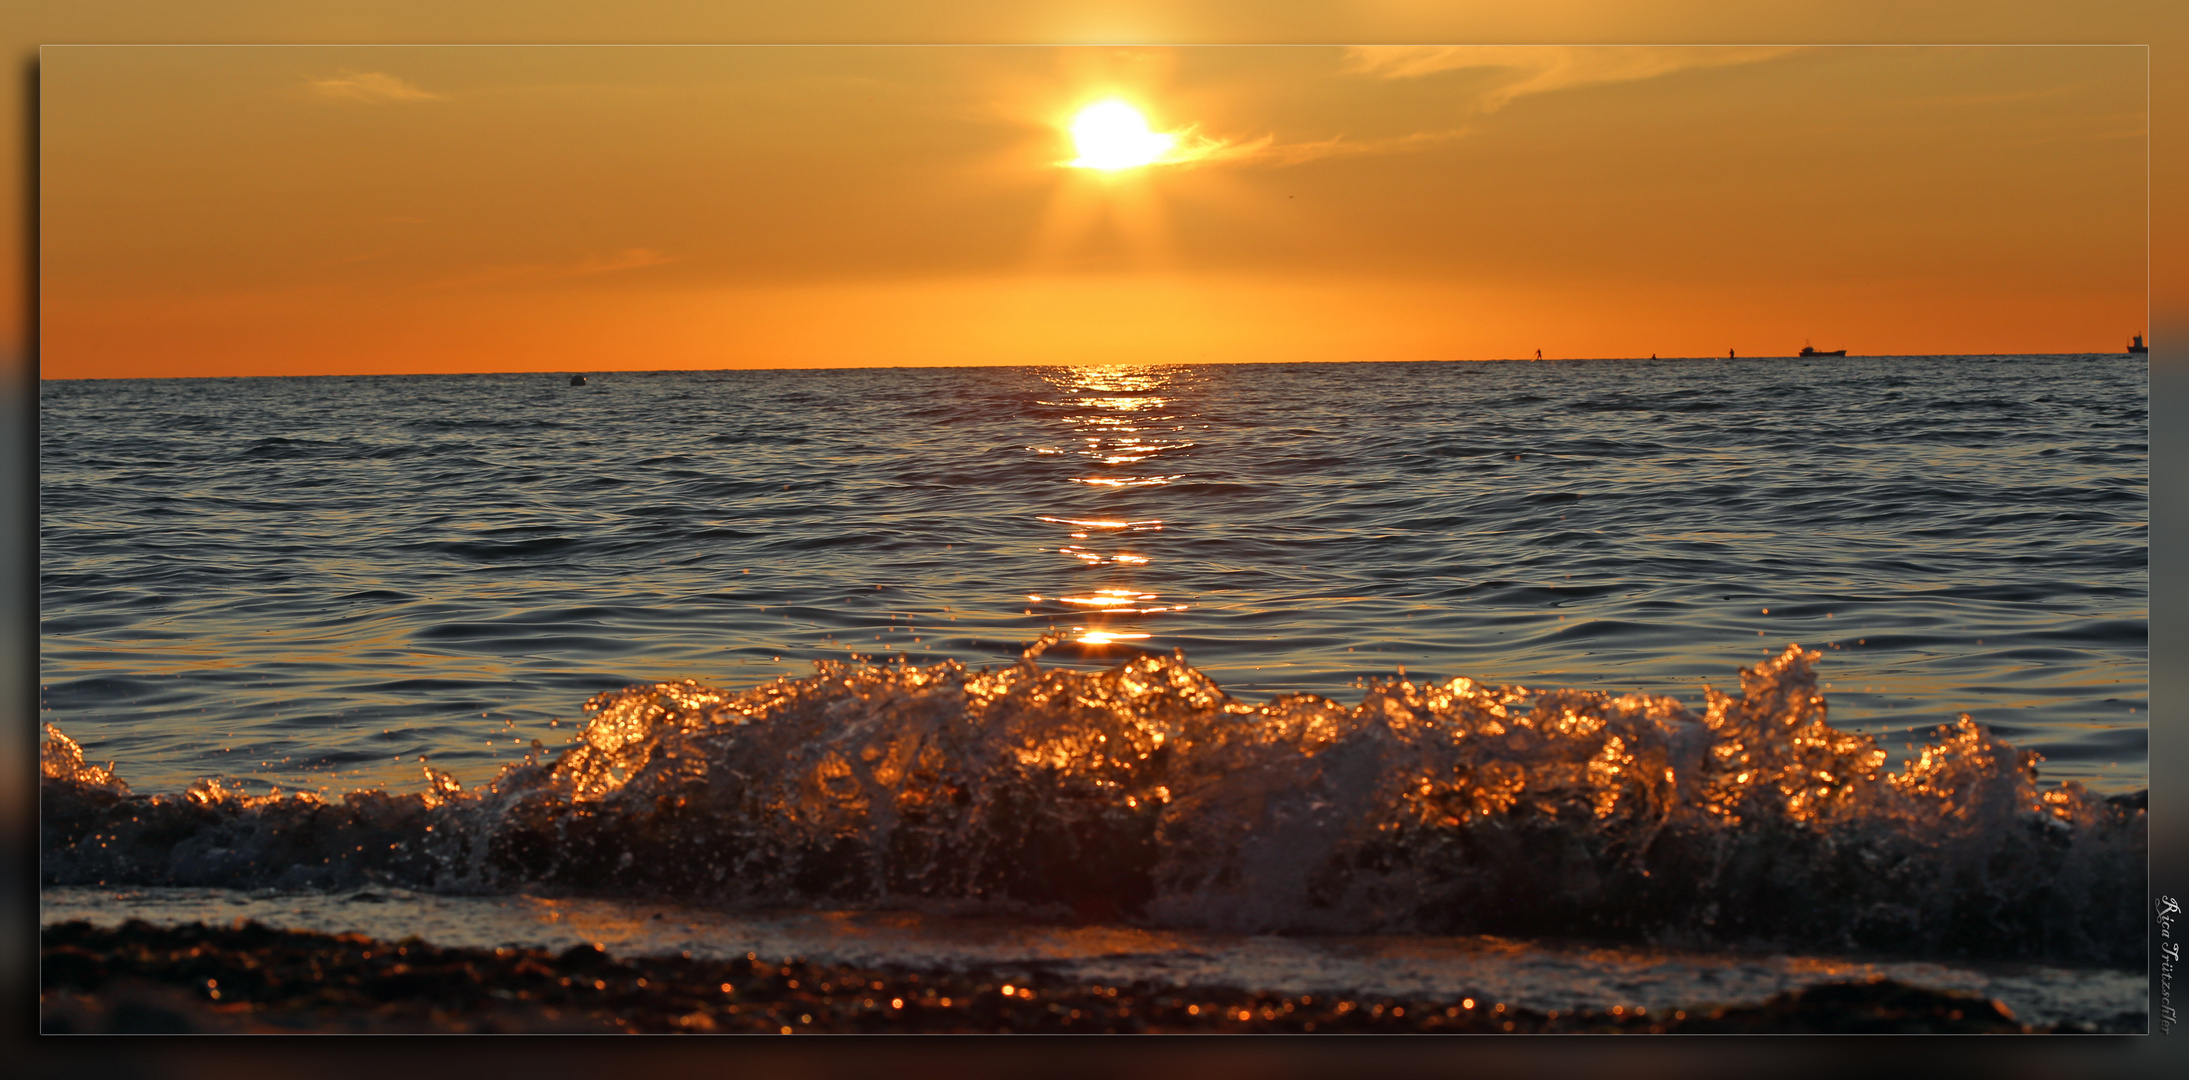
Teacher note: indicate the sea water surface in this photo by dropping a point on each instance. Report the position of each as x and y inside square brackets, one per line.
[1312, 649]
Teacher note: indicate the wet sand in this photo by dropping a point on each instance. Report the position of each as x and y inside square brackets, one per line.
[249, 978]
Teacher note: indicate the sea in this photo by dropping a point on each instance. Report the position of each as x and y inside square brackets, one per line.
[1572, 683]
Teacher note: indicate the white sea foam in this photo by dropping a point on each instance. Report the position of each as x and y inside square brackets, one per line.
[1143, 794]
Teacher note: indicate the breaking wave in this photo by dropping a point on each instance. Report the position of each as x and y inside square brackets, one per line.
[1144, 793]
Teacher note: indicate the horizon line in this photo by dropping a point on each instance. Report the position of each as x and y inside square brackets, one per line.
[2120, 353]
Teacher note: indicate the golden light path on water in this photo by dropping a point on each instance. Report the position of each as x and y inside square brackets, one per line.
[1115, 418]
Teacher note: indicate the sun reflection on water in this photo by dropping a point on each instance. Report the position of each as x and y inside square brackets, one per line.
[1104, 637]
[1117, 419]
[1136, 526]
[1123, 481]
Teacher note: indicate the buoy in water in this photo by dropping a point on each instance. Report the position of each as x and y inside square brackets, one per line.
[577, 380]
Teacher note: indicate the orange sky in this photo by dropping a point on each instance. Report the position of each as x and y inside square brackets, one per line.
[301, 210]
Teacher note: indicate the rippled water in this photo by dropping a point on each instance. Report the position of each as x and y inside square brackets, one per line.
[311, 582]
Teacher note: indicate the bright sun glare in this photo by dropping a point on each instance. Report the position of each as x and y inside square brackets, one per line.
[1112, 135]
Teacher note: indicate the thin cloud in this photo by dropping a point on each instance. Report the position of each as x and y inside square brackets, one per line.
[627, 259]
[1520, 70]
[1267, 151]
[1277, 153]
[1516, 70]
[373, 86]
[1193, 148]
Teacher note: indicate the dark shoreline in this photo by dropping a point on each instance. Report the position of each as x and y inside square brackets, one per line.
[252, 979]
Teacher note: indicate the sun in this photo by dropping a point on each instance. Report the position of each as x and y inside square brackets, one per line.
[1112, 135]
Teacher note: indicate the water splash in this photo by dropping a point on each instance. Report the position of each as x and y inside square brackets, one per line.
[1145, 793]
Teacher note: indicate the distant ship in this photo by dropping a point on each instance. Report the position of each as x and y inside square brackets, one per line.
[2136, 345]
[1807, 351]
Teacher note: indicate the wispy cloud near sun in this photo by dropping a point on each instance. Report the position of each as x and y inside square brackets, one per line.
[1521, 70]
[1510, 72]
[373, 86]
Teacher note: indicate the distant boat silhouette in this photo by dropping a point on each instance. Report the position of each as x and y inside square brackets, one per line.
[1807, 351]
[577, 380]
[2136, 345]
